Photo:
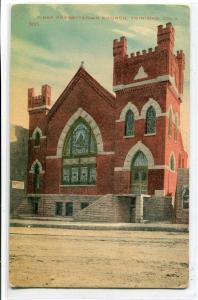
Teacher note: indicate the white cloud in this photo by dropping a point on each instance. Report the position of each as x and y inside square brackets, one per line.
[123, 33]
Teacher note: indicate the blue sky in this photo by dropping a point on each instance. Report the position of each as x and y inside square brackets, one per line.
[50, 50]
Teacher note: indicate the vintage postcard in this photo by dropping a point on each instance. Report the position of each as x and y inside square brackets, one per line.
[99, 146]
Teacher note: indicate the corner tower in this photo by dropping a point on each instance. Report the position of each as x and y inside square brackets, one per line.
[149, 87]
[38, 106]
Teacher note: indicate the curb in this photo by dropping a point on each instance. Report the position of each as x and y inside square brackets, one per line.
[103, 227]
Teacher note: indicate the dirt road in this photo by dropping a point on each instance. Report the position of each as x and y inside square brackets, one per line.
[41, 257]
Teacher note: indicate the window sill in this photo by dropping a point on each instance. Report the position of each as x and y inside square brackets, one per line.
[36, 147]
[77, 185]
[128, 136]
[150, 134]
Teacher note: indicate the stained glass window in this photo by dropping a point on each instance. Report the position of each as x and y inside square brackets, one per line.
[129, 123]
[81, 141]
[140, 160]
[92, 177]
[139, 173]
[80, 146]
[79, 174]
[150, 120]
[84, 175]
[74, 175]
[66, 175]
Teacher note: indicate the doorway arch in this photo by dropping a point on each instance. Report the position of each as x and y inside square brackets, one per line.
[139, 174]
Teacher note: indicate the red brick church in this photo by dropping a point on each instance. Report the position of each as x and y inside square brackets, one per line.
[97, 156]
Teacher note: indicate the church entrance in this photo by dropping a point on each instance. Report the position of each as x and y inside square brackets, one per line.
[139, 174]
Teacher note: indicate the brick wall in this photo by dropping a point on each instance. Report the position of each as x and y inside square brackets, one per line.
[49, 203]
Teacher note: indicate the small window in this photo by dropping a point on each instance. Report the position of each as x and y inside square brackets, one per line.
[37, 139]
[84, 204]
[150, 120]
[172, 163]
[69, 209]
[129, 123]
[59, 208]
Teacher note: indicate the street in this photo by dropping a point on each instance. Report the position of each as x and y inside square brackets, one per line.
[44, 257]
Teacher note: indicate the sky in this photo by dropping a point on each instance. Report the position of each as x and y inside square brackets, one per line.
[48, 43]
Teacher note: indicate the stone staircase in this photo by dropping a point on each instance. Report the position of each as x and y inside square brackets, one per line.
[23, 207]
[107, 208]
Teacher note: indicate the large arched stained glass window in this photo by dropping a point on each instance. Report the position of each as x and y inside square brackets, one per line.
[150, 120]
[79, 155]
[129, 123]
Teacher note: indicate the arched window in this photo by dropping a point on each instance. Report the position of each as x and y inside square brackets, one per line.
[79, 155]
[175, 130]
[129, 123]
[139, 173]
[172, 163]
[37, 139]
[170, 120]
[36, 178]
[150, 120]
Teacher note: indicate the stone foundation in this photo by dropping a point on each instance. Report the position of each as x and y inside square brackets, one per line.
[157, 209]
[106, 208]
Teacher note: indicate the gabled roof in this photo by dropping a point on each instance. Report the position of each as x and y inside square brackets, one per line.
[81, 73]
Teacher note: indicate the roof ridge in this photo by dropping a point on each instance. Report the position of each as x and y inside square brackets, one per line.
[90, 80]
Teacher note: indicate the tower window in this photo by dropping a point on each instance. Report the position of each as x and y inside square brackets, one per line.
[129, 123]
[37, 139]
[172, 163]
[150, 120]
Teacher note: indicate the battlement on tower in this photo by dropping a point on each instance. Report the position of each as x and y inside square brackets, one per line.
[42, 101]
[153, 62]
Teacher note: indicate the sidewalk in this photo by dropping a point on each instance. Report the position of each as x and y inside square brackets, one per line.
[98, 226]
